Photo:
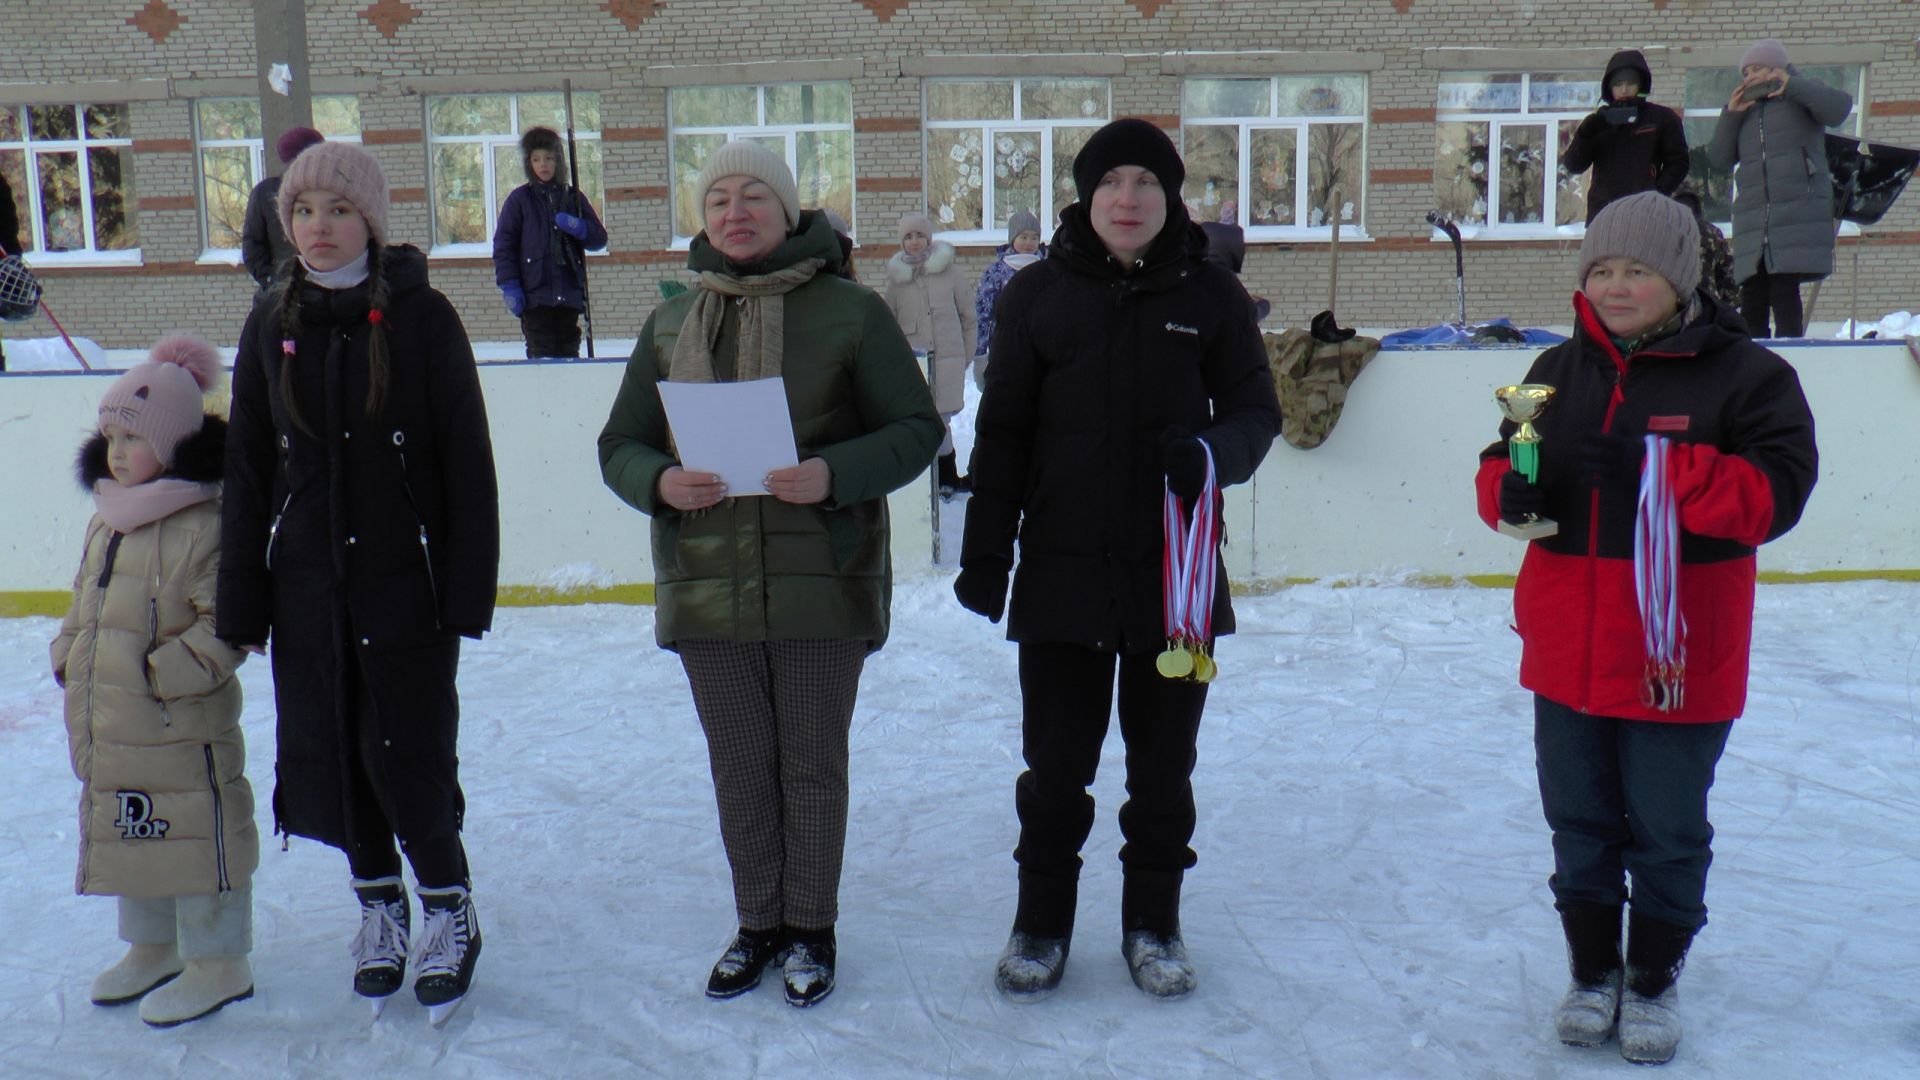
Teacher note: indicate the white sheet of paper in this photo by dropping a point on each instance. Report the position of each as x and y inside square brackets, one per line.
[740, 430]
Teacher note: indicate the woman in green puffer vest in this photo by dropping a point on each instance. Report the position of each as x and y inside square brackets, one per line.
[773, 603]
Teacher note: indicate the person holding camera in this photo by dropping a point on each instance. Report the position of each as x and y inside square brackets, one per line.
[1773, 135]
[1631, 144]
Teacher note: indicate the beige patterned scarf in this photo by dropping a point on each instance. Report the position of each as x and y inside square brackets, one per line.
[762, 298]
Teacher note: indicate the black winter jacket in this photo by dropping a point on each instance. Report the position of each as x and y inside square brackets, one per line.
[379, 534]
[1649, 153]
[264, 245]
[1093, 364]
[9, 221]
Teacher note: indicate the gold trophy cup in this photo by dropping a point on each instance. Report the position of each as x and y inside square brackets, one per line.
[1523, 405]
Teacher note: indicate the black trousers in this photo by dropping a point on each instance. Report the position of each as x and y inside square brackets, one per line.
[1066, 697]
[438, 861]
[1628, 798]
[1778, 293]
[551, 330]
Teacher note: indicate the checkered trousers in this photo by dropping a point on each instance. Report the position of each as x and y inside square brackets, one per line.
[776, 716]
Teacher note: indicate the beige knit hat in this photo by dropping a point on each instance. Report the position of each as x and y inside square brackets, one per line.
[752, 159]
[347, 171]
[917, 222]
[1649, 228]
[162, 399]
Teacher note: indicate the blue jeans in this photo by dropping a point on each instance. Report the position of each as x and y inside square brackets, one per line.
[1628, 798]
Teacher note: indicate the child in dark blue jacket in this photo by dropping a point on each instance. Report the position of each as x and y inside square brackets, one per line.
[540, 245]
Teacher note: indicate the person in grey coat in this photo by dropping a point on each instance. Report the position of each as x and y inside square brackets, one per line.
[1774, 140]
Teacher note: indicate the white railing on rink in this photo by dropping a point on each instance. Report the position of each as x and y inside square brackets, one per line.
[1388, 495]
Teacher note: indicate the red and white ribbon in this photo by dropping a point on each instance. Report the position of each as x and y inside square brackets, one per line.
[1656, 581]
[1190, 569]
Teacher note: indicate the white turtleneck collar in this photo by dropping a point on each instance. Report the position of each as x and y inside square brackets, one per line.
[345, 277]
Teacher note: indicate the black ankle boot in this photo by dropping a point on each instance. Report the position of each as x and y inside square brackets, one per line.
[808, 970]
[739, 968]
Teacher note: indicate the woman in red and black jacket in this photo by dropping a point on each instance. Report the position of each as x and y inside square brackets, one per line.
[1624, 782]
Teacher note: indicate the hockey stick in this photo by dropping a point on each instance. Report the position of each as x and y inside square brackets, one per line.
[84, 366]
[573, 182]
[1439, 221]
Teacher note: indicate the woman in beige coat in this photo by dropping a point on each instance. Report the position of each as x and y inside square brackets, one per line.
[152, 705]
[934, 305]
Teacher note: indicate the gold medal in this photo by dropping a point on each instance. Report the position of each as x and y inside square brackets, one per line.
[1204, 669]
[1175, 663]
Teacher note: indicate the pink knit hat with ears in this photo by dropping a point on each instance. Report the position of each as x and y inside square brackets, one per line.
[347, 171]
[163, 398]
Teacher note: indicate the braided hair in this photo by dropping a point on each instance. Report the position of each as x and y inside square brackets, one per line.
[289, 291]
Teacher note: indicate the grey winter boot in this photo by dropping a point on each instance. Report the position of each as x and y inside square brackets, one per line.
[1158, 963]
[1650, 1005]
[1591, 1007]
[1031, 966]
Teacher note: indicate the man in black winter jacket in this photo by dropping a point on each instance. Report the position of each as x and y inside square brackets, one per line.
[1632, 144]
[1118, 364]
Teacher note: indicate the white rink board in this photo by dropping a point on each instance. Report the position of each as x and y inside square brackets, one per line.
[1389, 494]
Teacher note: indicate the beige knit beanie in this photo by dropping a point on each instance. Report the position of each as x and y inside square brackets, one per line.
[1649, 228]
[752, 159]
[347, 171]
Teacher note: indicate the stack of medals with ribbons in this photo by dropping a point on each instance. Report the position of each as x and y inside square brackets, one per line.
[1189, 571]
[1656, 583]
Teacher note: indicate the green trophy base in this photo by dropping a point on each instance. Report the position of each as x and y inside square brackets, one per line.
[1537, 529]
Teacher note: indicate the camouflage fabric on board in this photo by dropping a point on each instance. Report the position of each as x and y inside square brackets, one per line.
[1311, 378]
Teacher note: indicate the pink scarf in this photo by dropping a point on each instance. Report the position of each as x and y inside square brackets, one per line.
[127, 508]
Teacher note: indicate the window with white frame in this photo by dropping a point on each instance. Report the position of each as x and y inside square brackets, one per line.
[1268, 154]
[1497, 147]
[1707, 93]
[809, 125]
[232, 157]
[71, 171]
[995, 146]
[473, 158]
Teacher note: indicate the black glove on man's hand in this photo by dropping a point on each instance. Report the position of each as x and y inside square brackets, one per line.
[1609, 460]
[1185, 461]
[1518, 498]
[982, 588]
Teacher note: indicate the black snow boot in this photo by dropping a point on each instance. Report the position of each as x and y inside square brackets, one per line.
[380, 949]
[951, 482]
[808, 970]
[1031, 966]
[1650, 1005]
[447, 950]
[740, 967]
[1591, 1007]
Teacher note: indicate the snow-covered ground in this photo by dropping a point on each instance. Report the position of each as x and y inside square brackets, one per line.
[1370, 901]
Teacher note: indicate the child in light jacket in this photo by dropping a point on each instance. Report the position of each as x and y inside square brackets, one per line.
[152, 704]
[934, 306]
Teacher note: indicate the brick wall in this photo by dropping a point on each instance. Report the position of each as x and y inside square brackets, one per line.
[1398, 278]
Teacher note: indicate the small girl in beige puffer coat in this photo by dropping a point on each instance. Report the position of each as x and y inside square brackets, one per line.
[152, 705]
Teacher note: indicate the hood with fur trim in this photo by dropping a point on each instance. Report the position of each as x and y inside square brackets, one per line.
[200, 457]
[541, 138]
[900, 271]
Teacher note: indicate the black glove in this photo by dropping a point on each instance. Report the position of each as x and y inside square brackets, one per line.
[1610, 461]
[1185, 461]
[982, 588]
[1594, 126]
[1518, 498]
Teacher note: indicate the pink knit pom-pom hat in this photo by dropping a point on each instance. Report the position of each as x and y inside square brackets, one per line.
[163, 399]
